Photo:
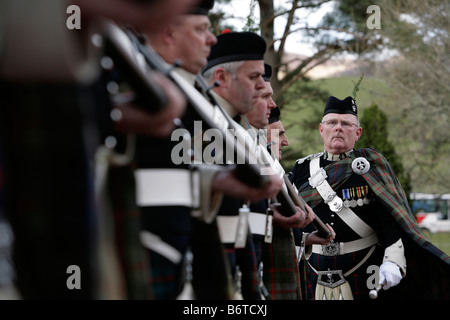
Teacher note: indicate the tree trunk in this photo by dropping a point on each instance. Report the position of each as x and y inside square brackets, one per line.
[267, 13]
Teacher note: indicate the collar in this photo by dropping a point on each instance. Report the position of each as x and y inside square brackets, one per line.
[336, 157]
[225, 104]
[189, 77]
[260, 135]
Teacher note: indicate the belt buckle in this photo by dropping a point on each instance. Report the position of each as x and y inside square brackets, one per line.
[331, 249]
[317, 178]
[333, 278]
[335, 204]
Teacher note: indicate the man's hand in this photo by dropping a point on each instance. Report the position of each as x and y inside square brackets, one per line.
[390, 274]
[161, 124]
[299, 220]
[313, 237]
[226, 182]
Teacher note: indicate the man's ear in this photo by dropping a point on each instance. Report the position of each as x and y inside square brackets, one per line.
[222, 76]
[168, 35]
[320, 128]
[358, 133]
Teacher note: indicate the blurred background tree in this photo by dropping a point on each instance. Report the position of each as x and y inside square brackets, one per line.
[375, 134]
[420, 77]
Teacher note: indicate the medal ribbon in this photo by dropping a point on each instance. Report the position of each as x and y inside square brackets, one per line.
[345, 194]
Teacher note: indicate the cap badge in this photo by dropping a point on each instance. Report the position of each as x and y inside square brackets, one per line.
[353, 106]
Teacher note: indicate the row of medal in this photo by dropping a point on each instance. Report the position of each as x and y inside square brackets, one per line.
[356, 196]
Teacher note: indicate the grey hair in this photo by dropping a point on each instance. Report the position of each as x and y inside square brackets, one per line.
[230, 67]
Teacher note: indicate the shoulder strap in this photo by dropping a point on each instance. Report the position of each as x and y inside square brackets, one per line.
[346, 214]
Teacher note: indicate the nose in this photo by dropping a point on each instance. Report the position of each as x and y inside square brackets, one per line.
[212, 39]
[271, 104]
[338, 126]
[260, 84]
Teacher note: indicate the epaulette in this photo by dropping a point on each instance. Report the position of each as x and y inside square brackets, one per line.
[310, 157]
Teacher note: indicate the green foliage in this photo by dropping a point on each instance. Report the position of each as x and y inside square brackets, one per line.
[301, 112]
[420, 77]
[251, 25]
[219, 19]
[356, 12]
[375, 134]
[356, 87]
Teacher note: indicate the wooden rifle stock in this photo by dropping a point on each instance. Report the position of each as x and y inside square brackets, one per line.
[288, 197]
[117, 41]
[322, 229]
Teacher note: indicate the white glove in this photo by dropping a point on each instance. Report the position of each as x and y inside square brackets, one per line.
[390, 275]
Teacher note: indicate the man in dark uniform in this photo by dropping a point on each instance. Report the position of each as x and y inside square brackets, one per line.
[168, 206]
[237, 62]
[276, 253]
[49, 133]
[356, 192]
[276, 134]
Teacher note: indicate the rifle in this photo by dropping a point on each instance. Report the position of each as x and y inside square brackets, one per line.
[120, 55]
[287, 197]
[208, 110]
[198, 106]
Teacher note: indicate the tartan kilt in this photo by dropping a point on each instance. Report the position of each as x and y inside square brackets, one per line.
[281, 275]
[246, 259]
[211, 269]
[48, 189]
[426, 278]
[167, 277]
[135, 264]
[357, 280]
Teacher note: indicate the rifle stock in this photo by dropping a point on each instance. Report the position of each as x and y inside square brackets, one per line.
[288, 197]
[322, 229]
[148, 95]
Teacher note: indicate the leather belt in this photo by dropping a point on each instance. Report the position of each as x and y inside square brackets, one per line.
[341, 248]
[167, 187]
[228, 225]
[153, 242]
[257, 223]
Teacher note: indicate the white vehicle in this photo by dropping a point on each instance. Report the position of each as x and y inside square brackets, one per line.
[432, 211]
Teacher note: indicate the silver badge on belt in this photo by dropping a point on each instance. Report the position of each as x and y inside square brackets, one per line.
[336, 204]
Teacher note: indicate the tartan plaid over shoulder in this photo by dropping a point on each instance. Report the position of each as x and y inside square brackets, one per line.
[384, 183]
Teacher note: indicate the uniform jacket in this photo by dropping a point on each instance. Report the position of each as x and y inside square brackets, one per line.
[428, 267]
